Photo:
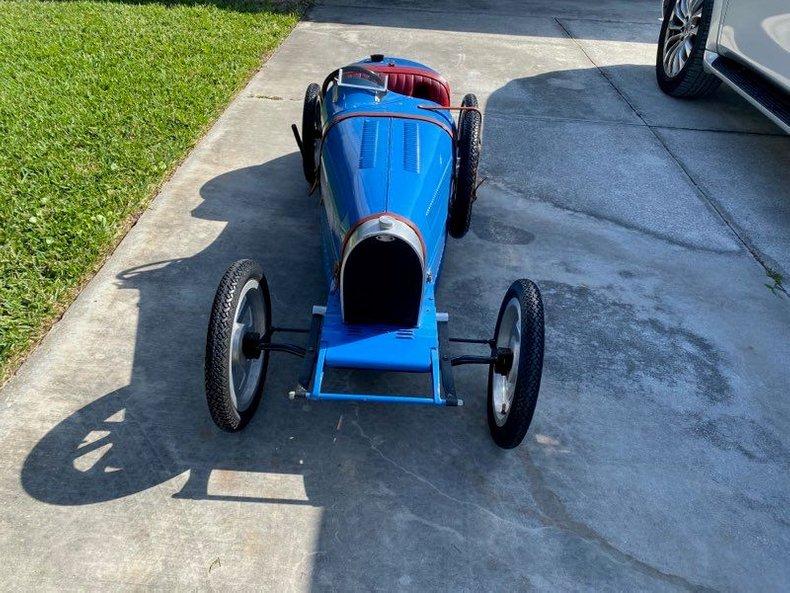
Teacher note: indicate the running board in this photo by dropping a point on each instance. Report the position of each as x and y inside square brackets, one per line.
[767, 97]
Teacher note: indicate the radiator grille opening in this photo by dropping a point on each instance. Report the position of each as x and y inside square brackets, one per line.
[382, 283]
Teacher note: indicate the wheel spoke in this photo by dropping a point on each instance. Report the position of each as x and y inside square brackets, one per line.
[677, 61]
[677, 14]
[667, 55]
[669, 58]
[671, 40]
[673, 61]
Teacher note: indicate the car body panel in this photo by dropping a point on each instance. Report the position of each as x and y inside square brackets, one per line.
[748, 48]
[757, 34]
[382, 155]
[386, 164]
[386, 348]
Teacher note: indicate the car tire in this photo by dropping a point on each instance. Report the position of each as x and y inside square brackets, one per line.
[679, 70]
[232, 403]
[521, 313]
[311, 131]
[468, 158]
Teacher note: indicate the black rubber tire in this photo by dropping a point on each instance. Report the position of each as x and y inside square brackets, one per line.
[468, 157]
[530, 366]
[692, 81]
[220, 404]
[311, 131]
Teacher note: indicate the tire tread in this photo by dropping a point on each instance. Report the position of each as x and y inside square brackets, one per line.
[469, 148]
[220, 405]
[310, 133]
[530, 369]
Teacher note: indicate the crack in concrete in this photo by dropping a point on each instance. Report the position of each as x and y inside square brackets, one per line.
[507, 115]
[438, 490]
[518, 192]
[552, 515]
[554, 510]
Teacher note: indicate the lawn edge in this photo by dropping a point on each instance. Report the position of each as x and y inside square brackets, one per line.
[10, 368]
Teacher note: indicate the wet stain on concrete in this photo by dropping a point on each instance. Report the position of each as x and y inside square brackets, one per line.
[594, 339]
[469, 305]
[554, 513]
[744, 435]
[493, 230]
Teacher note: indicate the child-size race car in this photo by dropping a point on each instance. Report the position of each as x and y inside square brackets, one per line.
[396, 175]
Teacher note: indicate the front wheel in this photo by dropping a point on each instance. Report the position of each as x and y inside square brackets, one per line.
[311, 131]
[681, 49]
[468, 157]
[513, 392]
[235, 374]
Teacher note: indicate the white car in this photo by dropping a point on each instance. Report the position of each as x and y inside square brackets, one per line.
[745, 43]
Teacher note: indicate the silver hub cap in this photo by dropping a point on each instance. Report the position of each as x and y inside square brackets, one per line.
[504, 386]
[245, 373]
[681, 34]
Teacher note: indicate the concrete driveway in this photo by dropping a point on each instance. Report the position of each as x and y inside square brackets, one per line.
[658, 458]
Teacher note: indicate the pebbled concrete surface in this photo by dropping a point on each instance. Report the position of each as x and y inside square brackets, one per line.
[658, 457]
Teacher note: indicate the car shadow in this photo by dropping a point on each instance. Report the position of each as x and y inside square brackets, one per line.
[156, 427]
[351, 461]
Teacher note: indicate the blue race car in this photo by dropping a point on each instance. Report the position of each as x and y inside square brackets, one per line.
[396, 175]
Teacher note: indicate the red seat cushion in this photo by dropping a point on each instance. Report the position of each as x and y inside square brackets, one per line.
[415, 82]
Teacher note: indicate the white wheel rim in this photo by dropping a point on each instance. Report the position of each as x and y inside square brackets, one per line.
[681, 35]
[503, 387]
[245, 373]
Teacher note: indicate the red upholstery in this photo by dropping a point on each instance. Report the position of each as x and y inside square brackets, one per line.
[415, 82]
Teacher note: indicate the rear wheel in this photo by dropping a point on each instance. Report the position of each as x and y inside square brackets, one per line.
[513, 392]
[234, 379]
[468, 157]
[311, 131]
[681, 47]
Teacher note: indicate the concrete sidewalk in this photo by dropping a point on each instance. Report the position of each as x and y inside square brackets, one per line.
[658, 459]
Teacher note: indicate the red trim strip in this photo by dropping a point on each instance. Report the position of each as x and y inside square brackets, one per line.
[365, 219]
[450, 108]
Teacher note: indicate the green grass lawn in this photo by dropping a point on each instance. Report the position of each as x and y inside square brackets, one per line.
[98, 103]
